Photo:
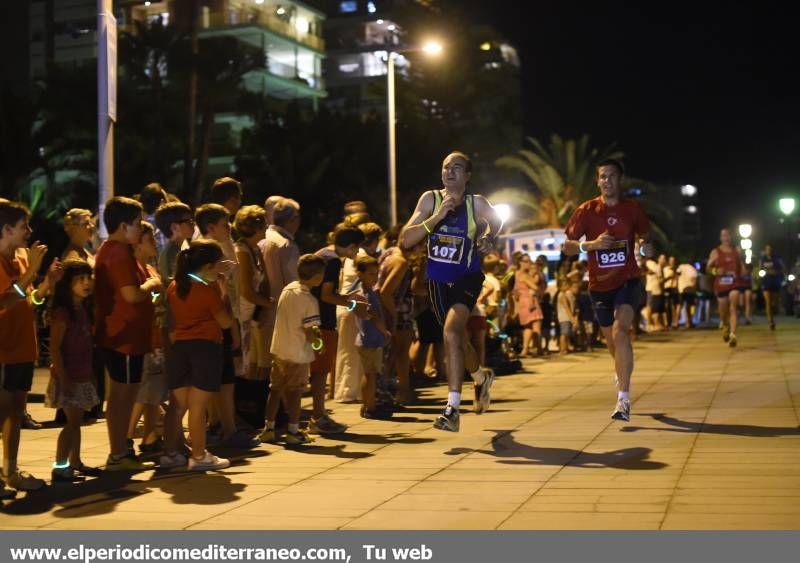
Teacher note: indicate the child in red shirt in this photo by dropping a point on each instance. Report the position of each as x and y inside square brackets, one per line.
[194, 365]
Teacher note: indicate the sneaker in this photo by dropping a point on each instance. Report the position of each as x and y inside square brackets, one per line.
[268, 436]
[732, 341]
[168, 461]
[326, 425]
[127, 463]
[153, 447]
[622, 411]
[297, 439]
[66, 475]
[726, 333]
[448, 420]
[240, 439]
[23, 481]
[483, 395]
[88, 471]
[209, 462]
[28, 423]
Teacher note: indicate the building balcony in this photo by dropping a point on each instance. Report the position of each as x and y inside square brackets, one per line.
[298, 28]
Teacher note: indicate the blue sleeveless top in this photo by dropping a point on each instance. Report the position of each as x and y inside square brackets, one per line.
[451, 244]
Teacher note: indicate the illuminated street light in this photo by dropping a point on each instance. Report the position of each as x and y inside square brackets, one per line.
[787, 205]
[692, 209]
[791, 277]
[688, 190]
[486, 46]
[431, 48]
[747, 244]
[745, 230]
[748, 256]
[762, 273]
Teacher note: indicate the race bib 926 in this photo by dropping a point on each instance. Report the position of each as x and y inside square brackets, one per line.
[613, 257]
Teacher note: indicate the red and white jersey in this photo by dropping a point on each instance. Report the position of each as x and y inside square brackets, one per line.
[625, 221]
[729, 266]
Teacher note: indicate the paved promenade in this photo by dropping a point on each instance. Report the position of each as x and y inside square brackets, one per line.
[713, 444]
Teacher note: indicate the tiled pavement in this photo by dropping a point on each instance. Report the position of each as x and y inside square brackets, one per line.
[713, 443]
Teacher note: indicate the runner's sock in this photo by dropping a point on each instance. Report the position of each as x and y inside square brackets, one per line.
[294, 428]
[270, 425]
[454, 399]
[477, 376]
[622, 395]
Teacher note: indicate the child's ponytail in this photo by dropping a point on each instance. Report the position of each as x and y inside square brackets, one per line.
[200, 253]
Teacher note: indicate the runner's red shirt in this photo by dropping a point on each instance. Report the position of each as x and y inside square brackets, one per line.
[729, 266]
[625, 221]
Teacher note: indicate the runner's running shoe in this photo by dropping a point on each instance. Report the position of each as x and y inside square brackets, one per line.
[483, 396]
[622, 411]
[448, 420]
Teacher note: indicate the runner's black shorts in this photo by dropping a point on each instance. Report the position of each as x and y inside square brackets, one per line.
[605, 303]
[688, 298]
[444, 295]
[724, 294]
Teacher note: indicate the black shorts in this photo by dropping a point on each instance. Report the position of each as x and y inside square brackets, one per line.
[123, 368]
[771, 283]
[228, 368]
[688, 298]
[605, 303]
[429, 331]
[657, 304]
[444, 295]
[195, 363]
[671, 295]
[726, 293]
[16, 377]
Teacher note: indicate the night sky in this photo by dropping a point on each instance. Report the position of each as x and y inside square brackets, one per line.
[706, 94]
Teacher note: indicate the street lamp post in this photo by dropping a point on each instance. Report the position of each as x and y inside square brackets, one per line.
[391, 139]
[786, 205]
[431, 48]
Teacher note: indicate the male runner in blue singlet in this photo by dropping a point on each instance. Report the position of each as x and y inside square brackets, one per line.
[458, 226]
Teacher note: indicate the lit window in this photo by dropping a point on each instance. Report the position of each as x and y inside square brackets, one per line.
[302, 25]
[371, 7]
[348, 68]
[348, 7]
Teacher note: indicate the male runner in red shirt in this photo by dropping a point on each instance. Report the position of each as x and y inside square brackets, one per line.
[612, 226]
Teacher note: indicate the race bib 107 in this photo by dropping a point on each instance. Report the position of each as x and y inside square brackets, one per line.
[613, 257]
[445, 248]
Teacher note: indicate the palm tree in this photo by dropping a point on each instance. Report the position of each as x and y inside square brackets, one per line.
[145, 54]
[561, 177]
[222, 64]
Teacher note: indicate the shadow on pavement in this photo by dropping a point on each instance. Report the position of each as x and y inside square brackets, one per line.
[102, 494]
[382, 439]
[511, 452]
[711, 428]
